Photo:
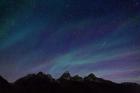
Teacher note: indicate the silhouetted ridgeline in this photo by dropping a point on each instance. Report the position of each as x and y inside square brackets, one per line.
[42, 83]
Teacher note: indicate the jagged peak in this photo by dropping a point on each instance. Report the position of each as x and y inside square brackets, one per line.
[66, 76]
[40, 73]
[90, 77]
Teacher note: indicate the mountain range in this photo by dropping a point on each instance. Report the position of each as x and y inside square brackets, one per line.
[45, 83]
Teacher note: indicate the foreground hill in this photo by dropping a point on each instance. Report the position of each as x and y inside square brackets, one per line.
[42, 83]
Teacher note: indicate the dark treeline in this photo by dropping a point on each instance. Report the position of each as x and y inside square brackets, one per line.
[45, 83]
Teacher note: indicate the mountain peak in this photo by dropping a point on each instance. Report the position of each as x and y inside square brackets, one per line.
[90, 77]
[40, 73]
[66, 76]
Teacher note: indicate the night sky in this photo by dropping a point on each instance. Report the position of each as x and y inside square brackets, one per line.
[80, 36]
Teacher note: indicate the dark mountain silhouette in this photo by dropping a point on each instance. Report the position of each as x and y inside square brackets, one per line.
[45, 83]
[65, 76]
[77, 78]
[4, 85]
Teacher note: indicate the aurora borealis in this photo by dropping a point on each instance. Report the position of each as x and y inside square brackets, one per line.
[80, 36]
